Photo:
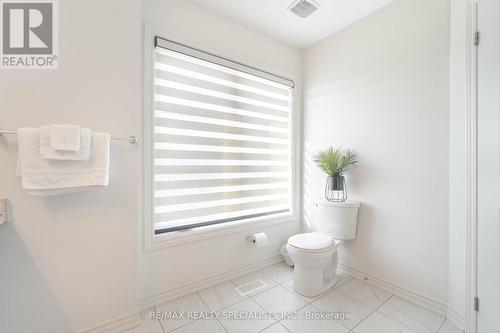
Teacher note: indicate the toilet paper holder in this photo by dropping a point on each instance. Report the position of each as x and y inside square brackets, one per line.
[251, 239]
[258, 239]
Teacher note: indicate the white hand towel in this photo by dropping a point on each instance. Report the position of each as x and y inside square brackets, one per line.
[65, 137]
[51, 177]
[50, 153]
[48, 193]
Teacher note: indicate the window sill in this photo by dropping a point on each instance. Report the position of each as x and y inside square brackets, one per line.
[177, 238]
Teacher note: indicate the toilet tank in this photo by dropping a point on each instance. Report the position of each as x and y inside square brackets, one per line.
[337, 219]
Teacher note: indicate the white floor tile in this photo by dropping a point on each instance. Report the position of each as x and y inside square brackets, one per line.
[304, 324]
[276, 328]
[378, 323]
[244, 317]
[258, 313]
[364, 293]
[278, 300]
[221, 296]
[411, 315]
[190, 303]
[448, 327]
[279, 272]
[242, 280]
[339, 303]
[202, 326]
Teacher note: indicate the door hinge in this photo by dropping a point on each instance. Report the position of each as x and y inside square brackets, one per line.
[476, 303]
[477, 37]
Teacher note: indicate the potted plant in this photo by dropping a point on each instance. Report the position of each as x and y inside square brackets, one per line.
[334, 162]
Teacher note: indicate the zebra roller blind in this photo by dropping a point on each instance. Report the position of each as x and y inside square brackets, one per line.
[222, 141]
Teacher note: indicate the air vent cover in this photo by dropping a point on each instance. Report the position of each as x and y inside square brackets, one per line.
[250, 287]
[303, 8]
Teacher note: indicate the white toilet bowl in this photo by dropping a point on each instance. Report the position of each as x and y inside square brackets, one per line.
[315, 253]
[315, 257]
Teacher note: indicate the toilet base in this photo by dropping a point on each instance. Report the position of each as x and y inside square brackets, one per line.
[311, 282]
[302, 283]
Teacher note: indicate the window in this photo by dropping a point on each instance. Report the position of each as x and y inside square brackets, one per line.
[221, 142]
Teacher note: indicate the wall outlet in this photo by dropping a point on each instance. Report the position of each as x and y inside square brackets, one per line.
[4, 210]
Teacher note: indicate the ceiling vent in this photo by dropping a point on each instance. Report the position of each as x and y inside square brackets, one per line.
[303, 8]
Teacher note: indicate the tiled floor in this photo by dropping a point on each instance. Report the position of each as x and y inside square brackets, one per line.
[276, 308]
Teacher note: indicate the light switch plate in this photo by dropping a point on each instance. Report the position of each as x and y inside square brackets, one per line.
[4, 210]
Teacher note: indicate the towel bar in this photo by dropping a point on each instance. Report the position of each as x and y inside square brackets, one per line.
[130, 139]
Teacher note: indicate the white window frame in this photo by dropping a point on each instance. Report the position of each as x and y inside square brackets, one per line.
[153, 241]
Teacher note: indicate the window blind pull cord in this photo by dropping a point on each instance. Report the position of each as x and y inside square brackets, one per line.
[130, 139]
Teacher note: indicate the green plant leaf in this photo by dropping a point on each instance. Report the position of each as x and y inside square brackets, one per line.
[335, 161]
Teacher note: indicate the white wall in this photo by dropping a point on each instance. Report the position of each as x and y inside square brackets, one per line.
[69, 262]
[458, 161]
[161, 271]
[380, 86]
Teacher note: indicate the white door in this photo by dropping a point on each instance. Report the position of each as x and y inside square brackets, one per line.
[488, 208]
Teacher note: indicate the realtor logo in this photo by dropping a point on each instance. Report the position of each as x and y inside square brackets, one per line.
[29, 36]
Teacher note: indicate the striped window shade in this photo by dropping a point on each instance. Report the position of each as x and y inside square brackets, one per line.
[222, 141]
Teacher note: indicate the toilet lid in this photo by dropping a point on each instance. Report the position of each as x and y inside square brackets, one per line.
[310, 241]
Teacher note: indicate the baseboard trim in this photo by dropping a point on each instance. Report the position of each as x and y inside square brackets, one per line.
[455, 318]
[189, 288]
[413, 296]
[117, 324]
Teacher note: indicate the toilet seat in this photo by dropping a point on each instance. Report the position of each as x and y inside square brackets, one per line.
[311, 242]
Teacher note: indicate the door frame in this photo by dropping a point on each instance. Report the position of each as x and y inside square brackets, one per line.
[471, 136]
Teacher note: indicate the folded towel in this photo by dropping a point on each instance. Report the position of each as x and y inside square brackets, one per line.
[50, 153]
[48, 193]
[65, 137]
[51, 177]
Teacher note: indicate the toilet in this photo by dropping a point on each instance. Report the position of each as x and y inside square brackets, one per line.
[315, 253]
